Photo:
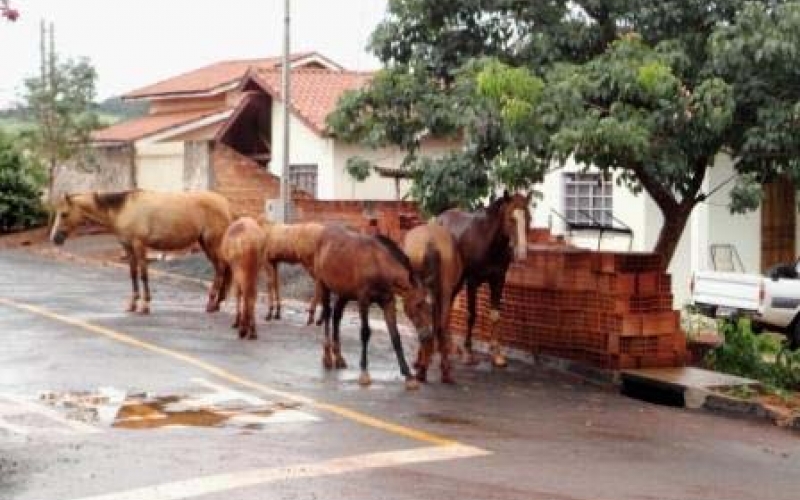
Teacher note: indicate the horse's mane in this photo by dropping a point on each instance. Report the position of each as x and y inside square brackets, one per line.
[112, 201]
[397, 253]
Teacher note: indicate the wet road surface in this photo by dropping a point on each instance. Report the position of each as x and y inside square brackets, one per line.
[98, 404]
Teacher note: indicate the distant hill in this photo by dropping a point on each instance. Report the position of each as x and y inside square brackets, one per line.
[111, 111]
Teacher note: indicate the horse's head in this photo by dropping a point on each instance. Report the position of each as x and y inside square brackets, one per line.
[69, 215]
[516, 215]
[418, 308]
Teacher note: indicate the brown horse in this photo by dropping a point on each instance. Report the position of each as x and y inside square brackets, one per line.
[434, 257]
[243, 248]
[293, 244]
[147, 219]
[368, 269]
[488, 240]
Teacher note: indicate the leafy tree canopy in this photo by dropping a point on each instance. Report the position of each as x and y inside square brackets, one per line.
[21, 181]
[651, 90]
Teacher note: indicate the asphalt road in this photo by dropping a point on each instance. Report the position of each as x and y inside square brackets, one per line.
[98, 404]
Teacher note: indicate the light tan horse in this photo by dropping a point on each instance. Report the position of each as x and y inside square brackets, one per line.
[147, 219]
[292, 244]
[243, 248]
[434, 256]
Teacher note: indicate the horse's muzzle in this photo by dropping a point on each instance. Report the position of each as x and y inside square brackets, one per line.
[59, 238]
[425, 333]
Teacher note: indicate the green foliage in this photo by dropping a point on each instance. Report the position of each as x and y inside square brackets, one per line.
[652, 90]
[743, 353]
[359, 168]
[63, 111]
[21, 183]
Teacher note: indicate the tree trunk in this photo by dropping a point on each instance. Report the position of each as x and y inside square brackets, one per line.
[672, 230]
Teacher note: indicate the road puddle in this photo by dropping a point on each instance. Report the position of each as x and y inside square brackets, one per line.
[109, 407]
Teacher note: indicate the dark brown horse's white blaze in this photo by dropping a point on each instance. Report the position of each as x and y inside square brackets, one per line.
[369, 270]
[147, 219]
[434, 257]
[488, 240]
[292, 244]
[243, 248]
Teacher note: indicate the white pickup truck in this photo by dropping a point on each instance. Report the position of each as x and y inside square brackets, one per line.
[771, 301]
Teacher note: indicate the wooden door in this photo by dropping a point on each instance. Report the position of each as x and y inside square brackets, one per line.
[778, 225]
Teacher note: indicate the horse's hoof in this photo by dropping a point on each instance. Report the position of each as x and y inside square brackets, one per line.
[327, 362]
[412, 384]
[268, 317]
[470, 359]
[422, 375]
[252, 336]
[144, 310]
[447, 378]
[210, 308]
[499, 361]
[131, 308]
[341, 364]
[277, 315]
[364, 380]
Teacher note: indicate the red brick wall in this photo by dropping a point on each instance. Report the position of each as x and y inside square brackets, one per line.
[610, 310]
[246, 185]
[391, 218]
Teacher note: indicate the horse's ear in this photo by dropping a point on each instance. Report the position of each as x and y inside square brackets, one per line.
[506, 196]
[529, 197]
[68, 199]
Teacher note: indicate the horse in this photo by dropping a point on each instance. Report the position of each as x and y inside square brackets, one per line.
[147, 219]
[487, 241]
[434, 256]
[368, 269]
[293, 244]
[243, 249]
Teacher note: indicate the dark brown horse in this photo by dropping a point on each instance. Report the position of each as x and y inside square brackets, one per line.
[434, 256]
[370, 270]
[148, 219]
[488, 240]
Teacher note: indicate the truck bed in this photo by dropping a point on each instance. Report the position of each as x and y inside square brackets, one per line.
[735, 291]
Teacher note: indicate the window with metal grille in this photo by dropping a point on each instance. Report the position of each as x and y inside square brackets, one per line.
[304, 177]
[588, 199]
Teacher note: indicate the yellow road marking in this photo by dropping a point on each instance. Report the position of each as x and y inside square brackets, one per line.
[342, 411]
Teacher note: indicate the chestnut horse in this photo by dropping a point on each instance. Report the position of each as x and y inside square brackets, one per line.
[293, 244]
[148, 219]
[243, 248]
[488, 240]
[434, 257]
[368, 269]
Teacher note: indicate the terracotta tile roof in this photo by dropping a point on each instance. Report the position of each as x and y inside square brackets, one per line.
[138, 128]
[315, 92]
[211, 77]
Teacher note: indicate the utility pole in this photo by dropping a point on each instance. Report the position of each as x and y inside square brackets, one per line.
[286, 93]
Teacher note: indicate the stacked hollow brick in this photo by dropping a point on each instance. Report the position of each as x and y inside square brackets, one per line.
[611, 310]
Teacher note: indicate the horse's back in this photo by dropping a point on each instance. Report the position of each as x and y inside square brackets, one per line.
[244, 237]
[347, 261]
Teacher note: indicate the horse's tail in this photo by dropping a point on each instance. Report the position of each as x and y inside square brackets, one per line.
[432, 270]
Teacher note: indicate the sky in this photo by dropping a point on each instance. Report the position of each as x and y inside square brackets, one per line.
[136, 43]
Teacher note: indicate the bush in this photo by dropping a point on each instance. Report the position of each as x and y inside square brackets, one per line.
[745, 354]
[21, 182]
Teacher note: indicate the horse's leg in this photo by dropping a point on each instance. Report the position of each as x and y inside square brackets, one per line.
[338, 311]
[277, 285]
[312, 307]
[134, 269]
[222, 274]
[443, 339]
[272, 276]
[141, 256]
[250, 296]
[390, 313]
[363, 311]
[496, 295]
[472, 300]
[238, 319]
[327, 354]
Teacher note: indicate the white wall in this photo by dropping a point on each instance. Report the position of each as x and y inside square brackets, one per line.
[376, 187]
[305, 147]
[159, 166]
[627, 207]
